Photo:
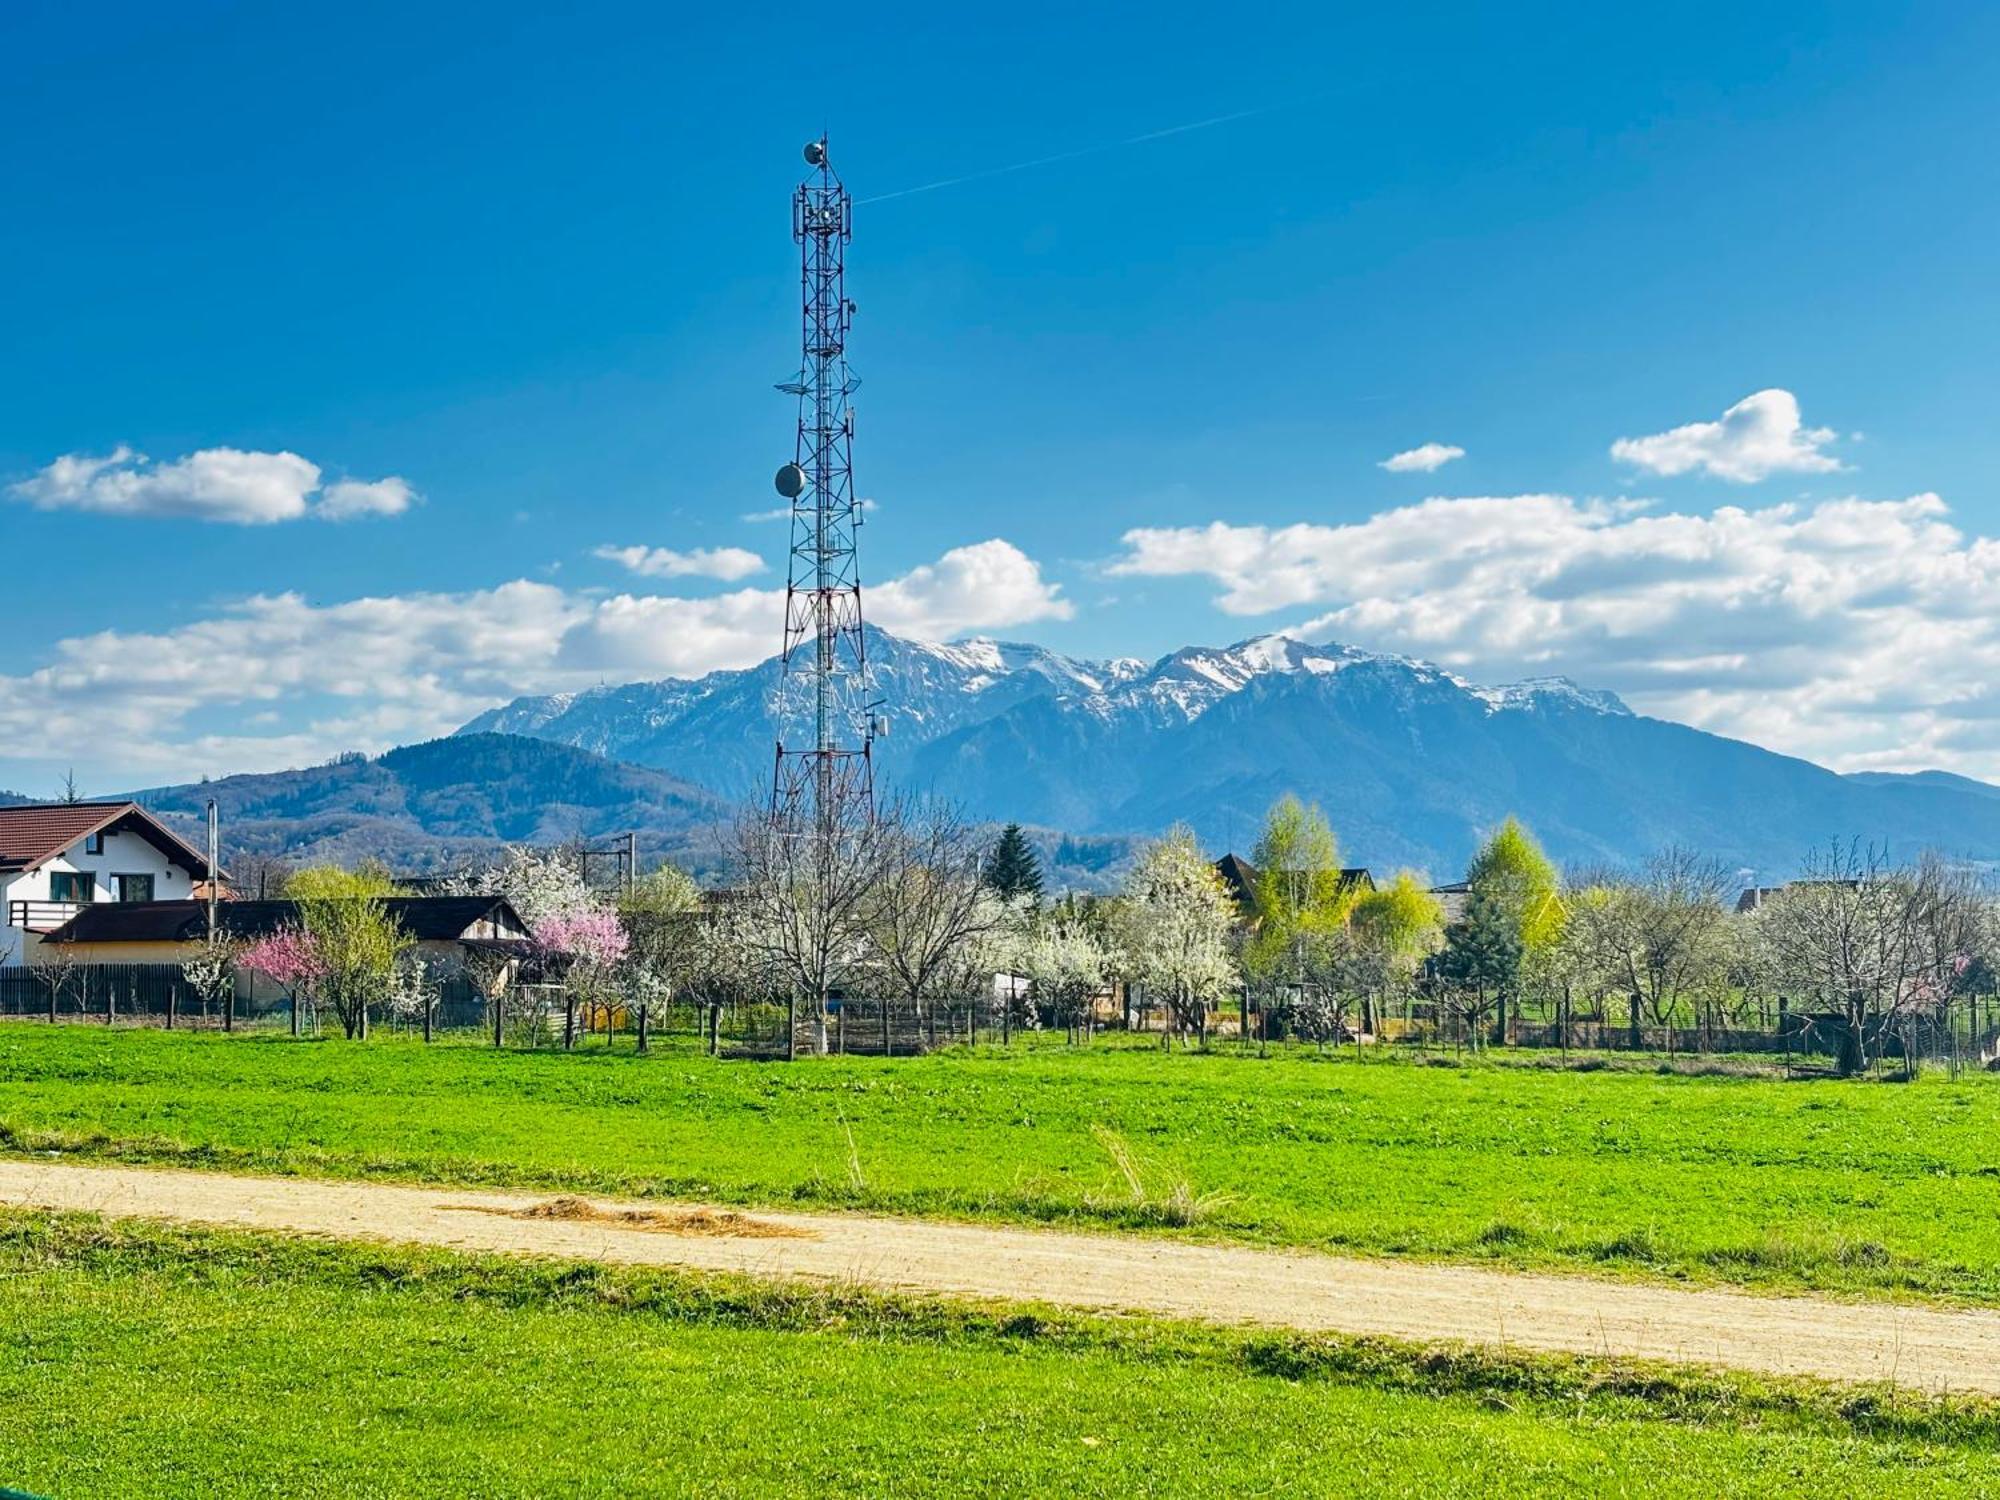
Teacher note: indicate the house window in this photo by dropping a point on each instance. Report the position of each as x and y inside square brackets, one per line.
[72, 886]
[134, 887]
[94, 844]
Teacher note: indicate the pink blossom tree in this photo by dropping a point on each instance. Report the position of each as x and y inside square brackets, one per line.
[288, 957]
[587, 944]
[592, 938]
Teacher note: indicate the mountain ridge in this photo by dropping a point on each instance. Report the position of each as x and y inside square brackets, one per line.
[1411, 761]
[445, 802]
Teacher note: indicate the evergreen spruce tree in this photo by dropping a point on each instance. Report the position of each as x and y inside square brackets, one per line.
[1483, 950]
[1012, 871]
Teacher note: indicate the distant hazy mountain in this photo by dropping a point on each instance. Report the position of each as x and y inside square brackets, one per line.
[1410, 762]
[428, 807]
[1940, 780]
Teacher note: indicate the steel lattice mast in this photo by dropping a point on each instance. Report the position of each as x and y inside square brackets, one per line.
[825, 657]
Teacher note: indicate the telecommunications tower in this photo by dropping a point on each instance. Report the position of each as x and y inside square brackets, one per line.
[826, 692]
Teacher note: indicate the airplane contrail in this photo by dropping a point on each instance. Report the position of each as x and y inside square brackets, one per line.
[1043, 161]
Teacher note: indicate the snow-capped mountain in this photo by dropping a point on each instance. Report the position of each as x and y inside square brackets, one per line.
[930, 690]
[726, 722]
[1410, 761]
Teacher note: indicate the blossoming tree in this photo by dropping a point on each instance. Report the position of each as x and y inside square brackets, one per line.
[288, 957]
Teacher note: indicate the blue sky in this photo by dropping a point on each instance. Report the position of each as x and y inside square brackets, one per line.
[512, 286]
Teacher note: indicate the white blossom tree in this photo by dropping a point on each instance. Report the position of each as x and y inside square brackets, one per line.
[1177, 919]
[538, 884]
[1066, 964]
[415, 985]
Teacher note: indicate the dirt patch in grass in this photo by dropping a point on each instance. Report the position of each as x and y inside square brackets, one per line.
[723, 1223]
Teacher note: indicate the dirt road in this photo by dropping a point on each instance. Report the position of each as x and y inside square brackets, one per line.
[1924, 1348]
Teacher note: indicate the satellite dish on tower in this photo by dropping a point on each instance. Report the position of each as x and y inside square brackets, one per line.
[815, 153]
[791, 481]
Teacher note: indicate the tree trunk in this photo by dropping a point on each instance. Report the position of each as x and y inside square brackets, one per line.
[791, 1028]
[499, 1020]
[427, 1020]
[642, 1029]
[569, 1022]
[1637, 1041]
[1853, 1044]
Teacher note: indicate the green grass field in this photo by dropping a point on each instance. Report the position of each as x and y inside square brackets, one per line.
[1861, 1187]
[138, 1361]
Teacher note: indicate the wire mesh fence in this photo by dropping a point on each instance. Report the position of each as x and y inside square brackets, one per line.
[1962, 1035]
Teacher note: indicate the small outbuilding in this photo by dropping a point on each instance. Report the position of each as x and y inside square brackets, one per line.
[168, 932]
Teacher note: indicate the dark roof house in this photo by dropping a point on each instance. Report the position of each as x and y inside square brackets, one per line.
[427, 919]
[1452, 898]
[1239, 877]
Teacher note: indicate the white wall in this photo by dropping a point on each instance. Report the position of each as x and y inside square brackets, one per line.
[124, 854]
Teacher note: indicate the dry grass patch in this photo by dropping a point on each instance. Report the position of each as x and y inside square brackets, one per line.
[723, 1223]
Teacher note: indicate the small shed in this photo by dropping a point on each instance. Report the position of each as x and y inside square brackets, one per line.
[168, 932]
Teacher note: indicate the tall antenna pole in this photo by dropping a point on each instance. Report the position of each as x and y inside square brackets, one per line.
[214, 853]
[825, 657]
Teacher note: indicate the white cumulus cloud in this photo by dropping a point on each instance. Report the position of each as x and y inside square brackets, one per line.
[1853, 632]
[374, 672]
[986, 586]
[214, 484]
[726, 563]
[1426, 458]
[347, 499]
[1759, 436]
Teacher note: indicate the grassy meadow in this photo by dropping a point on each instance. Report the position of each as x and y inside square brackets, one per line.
[1855, 1187]
[144, 1361]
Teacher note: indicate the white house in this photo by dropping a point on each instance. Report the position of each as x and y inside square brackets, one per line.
[58, 858]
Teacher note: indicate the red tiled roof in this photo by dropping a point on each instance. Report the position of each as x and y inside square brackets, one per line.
[31, 835]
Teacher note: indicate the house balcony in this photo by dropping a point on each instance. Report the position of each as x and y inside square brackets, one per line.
[41, 916]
